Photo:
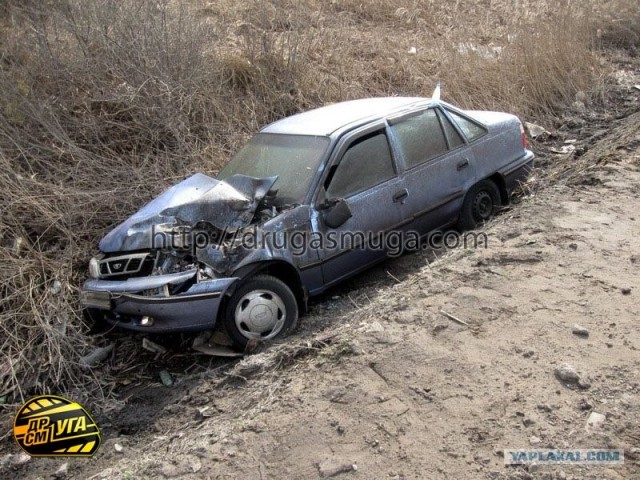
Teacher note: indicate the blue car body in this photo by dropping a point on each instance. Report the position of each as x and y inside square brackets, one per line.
[398, 164]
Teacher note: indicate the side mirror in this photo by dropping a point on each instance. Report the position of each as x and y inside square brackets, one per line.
[338, 213]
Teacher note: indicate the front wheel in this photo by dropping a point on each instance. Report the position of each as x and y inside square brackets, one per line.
[262, 308]
[479, 205]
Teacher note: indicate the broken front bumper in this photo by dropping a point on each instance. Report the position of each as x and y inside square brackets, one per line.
[128, 304]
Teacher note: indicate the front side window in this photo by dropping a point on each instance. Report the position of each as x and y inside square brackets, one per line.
[420, 137]
[366, 163]
[470, 129]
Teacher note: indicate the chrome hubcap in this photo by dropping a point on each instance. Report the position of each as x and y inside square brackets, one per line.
[260, 314]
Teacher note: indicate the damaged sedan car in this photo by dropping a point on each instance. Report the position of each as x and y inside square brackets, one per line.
[245, 250]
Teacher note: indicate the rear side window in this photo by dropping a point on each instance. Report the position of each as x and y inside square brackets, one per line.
[454, 138]
[470, 129]
[420, 137]
[366, 163]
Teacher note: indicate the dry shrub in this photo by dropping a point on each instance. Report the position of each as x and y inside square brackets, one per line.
[377, 11]
[535, 69]
[104, 104]
[528, 57]
[618, 24]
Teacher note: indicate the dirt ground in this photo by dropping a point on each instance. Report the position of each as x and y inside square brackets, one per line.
[379, 383]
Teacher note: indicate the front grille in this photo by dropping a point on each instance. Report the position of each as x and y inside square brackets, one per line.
[122, 265]
[134, 264]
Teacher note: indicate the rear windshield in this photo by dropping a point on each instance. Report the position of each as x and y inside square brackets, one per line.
[293, 158]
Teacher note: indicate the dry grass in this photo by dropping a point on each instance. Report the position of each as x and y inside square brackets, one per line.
[618, 24]
[104, 104]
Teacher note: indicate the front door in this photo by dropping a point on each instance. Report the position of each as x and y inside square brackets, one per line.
[363, 173]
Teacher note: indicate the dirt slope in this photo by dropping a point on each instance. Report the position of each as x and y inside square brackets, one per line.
[395, 389]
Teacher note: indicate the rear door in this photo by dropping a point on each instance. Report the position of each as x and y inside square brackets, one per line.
[365, 174]
[438, 167]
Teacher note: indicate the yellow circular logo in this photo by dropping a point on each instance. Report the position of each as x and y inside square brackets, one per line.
[55, 426]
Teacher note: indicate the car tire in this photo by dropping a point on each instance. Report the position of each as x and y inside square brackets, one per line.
[479, 205]
[261, 308]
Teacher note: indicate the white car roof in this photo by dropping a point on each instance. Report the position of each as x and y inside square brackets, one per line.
[326, 120]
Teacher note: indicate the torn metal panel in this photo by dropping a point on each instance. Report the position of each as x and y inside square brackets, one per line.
[271, 240]
[228, 204]
[284, 237]
[214, 257]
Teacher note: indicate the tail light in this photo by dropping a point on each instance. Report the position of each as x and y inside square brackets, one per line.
[523, 137]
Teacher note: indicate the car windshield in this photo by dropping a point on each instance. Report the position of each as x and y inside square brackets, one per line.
[293, 158]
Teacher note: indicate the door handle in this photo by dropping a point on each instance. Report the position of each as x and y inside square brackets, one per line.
[400, 195]
[463, 164]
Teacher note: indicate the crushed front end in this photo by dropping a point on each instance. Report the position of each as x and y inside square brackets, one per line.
[149, 277]
[154, 292]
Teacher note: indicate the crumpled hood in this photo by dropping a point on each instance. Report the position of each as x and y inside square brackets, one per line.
[228, 204]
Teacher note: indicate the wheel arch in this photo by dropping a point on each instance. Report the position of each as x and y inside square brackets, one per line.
[500, 182]
[281, 270]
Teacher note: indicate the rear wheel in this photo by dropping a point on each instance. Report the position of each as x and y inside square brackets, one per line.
[479, 205]
[262, 308]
